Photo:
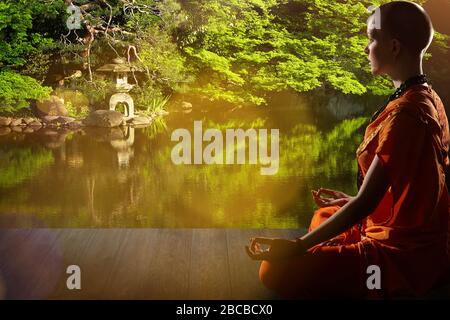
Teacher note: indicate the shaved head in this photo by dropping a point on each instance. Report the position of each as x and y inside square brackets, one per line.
[407, 22]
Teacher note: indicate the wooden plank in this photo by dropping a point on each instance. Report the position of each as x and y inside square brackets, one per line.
[74, 243]
[209, 270]
[29, 262]
[168, 272]
[132, 264]
[50, 263]
[150, 263]
[94, 251]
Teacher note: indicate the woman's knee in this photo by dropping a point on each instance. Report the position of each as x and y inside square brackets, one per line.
[321, 215]
[270, 275]
[283, 278]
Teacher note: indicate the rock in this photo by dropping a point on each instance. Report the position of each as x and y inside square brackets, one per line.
[49, 119]
[62, 120]
[16, 122]
[77, 104]
[35, 125]
[140, 126]
[4, 131]
[28, 130]
[74, 124]
[104, 118]
[139, 121]
[28, 120]
[54, 106]
[5, 121]
[16, 129]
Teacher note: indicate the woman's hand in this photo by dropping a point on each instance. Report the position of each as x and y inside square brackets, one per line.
[337, 198]
[278, 248]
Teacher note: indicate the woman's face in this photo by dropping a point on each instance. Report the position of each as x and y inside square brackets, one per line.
[378, 51]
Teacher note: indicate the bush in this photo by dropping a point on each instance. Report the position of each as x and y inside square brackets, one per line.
[16, 91]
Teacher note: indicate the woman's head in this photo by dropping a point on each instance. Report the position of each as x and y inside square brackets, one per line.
[401, 35]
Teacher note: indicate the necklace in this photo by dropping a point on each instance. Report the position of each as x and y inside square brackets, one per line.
[419, 79]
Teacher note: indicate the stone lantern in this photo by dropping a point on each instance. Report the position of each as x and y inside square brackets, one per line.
[120, 69]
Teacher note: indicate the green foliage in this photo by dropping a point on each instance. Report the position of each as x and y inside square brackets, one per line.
[97, 92]
[243, 49]
[16, 90]
[23, 49]
[158, 104]
[18, 40]
[162, 59]
[316, 151]
[237, 51]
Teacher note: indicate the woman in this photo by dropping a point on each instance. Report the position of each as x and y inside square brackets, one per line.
[399, 219]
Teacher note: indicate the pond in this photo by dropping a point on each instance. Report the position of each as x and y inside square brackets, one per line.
[124, 177]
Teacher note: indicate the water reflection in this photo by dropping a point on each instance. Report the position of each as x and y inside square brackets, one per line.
[124, 147]
[124, 177]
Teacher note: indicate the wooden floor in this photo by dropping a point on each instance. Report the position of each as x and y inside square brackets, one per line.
[132, 263]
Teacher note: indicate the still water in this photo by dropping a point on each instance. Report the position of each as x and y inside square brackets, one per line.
[124, 177]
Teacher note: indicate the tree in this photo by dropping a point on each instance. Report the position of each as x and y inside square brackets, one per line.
[19, 45]
[242, 50]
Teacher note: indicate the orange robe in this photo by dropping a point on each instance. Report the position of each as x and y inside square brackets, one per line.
[407, 234]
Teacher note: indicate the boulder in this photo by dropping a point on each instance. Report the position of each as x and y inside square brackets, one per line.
[62, 120]
[104, 118]
[49, 119]
[53, 106]
[16, 122]
[140, 121]
[35, 125]
[5, 121]
[74, 124]
[28, 120]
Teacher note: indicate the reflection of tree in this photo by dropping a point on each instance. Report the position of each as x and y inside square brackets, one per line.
[309, 152]
[230, 196]
[153, 192]
[19, 164]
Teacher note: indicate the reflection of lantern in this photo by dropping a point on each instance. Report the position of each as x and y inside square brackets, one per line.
[120, 71]
[124, 147]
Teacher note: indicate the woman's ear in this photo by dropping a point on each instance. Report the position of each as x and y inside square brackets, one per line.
[395, 47]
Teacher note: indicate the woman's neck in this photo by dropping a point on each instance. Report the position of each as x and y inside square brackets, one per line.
[407, 71]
